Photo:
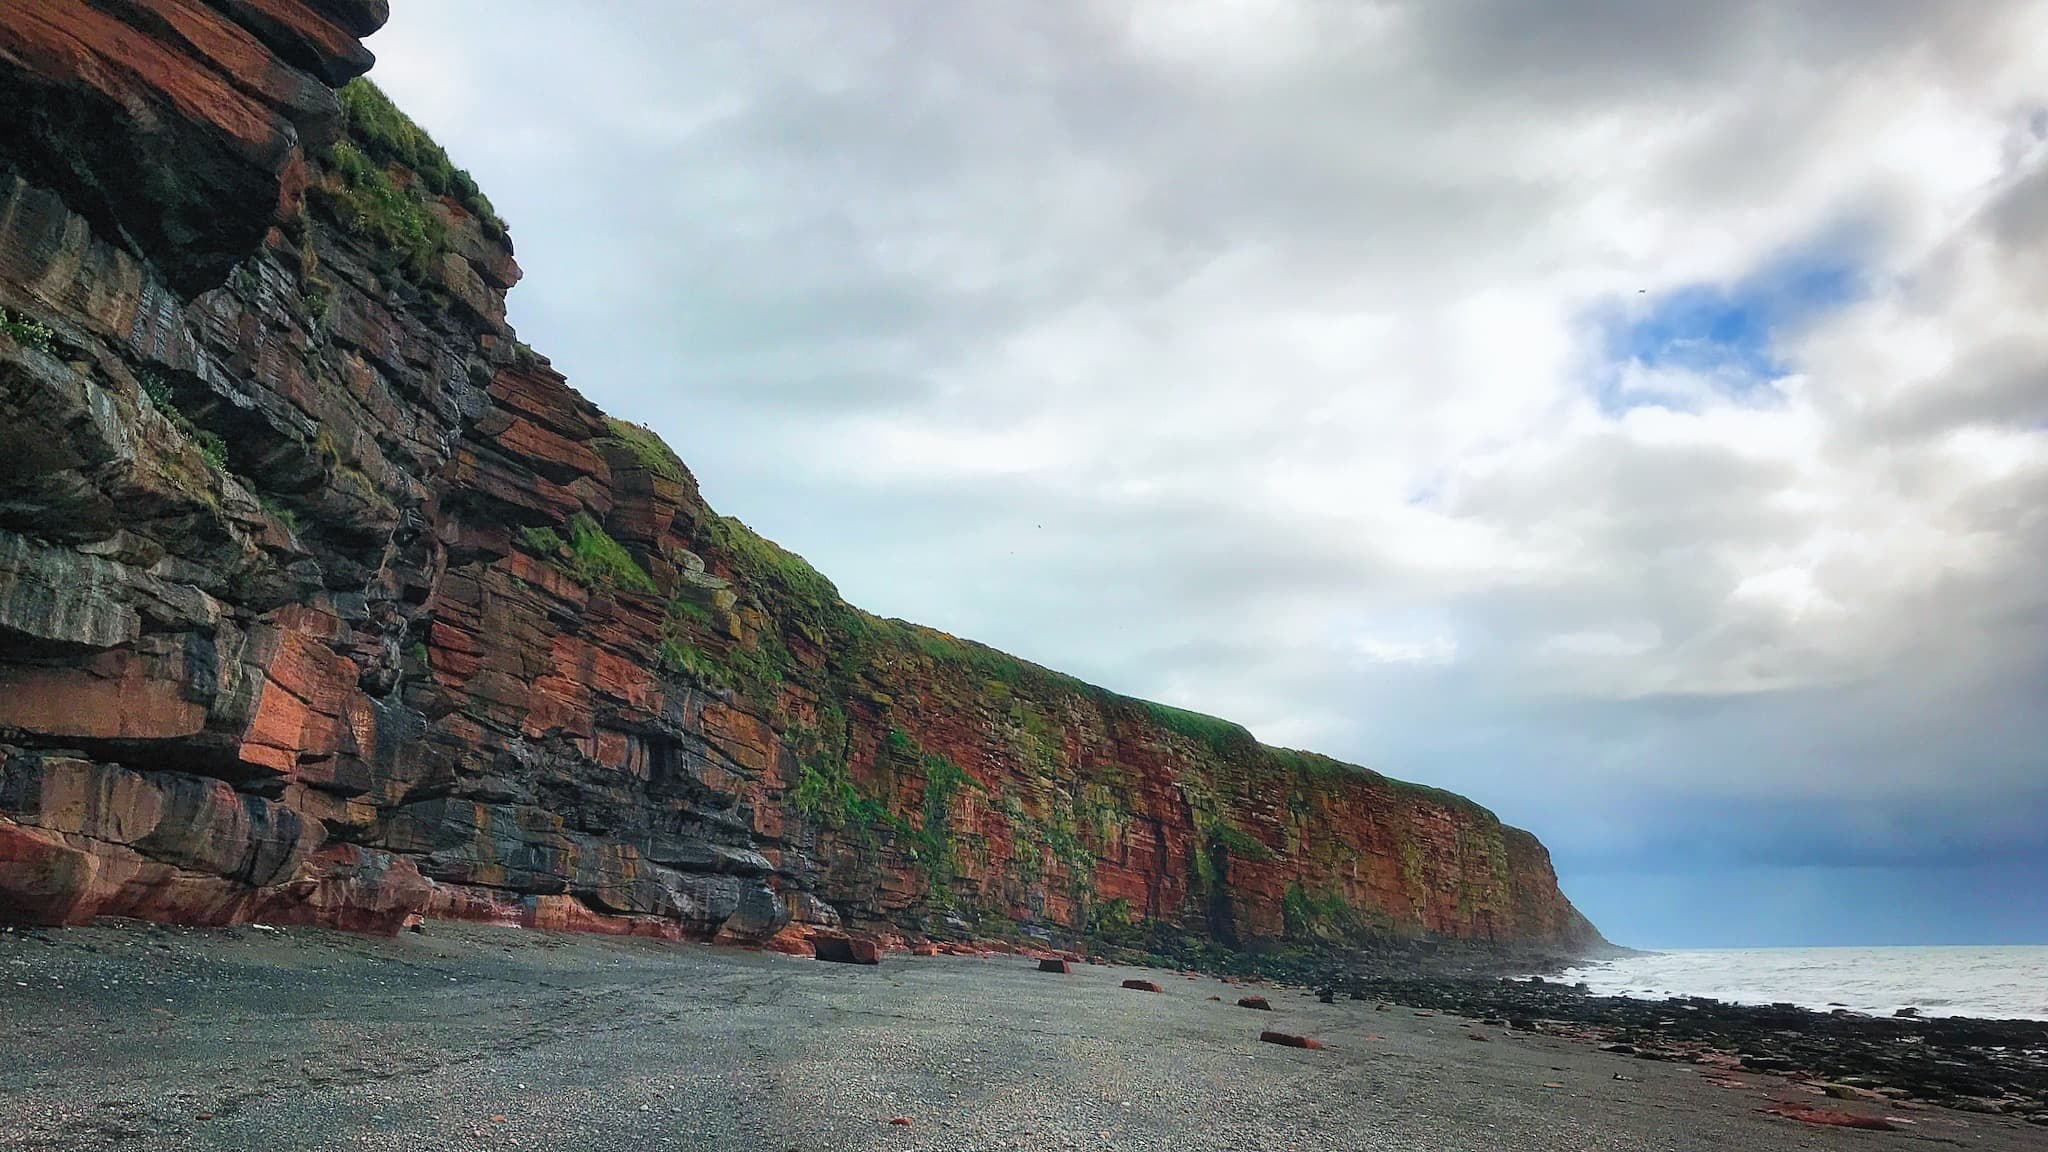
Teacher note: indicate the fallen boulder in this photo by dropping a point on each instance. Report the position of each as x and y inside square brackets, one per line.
[1290, 1040]
[1142, 986]
[847, 949]
[1258, 1002]
[1054, 964]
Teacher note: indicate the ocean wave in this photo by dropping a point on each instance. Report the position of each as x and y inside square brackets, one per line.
[1994, 982]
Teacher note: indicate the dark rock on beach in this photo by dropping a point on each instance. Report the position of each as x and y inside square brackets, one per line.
[1993, 1066]
[840, 949]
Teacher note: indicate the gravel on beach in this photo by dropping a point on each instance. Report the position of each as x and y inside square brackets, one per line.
[466, 1037]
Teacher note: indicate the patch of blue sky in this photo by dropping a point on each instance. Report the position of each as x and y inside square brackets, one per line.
[1666, 348]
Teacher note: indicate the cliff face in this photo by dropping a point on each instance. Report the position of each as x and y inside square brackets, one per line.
[323, 600]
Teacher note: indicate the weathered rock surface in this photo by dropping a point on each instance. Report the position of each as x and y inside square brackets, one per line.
[324, 600]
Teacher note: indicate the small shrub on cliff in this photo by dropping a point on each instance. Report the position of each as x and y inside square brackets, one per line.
[157, 391]
[213, 449]
[27, 332]
[280, 513]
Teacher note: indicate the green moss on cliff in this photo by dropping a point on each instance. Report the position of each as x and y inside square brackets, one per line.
[931, 843]
[1311, 915]
[686, 658]
[589, 556]
[597, 559]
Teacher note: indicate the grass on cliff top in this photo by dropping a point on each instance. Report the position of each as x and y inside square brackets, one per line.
[648, 448]
[1316, 766]
[1223, 737]
[372, 205]
[388, 136]
[761, 560]
[987, 664]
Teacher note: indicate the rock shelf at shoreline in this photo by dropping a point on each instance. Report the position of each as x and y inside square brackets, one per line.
[1985, 1066]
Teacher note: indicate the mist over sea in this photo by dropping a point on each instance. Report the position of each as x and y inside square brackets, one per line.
[2009, 982]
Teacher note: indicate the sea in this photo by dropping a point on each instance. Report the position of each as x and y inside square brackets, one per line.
[1988, 982]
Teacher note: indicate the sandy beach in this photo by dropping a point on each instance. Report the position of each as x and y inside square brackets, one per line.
[136, 1037]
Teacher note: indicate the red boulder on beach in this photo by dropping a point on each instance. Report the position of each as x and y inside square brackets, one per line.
[1828, 1119]
[1142, 986]
[1290, 1040]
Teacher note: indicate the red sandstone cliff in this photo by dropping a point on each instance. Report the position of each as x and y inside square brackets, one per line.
[323, 600]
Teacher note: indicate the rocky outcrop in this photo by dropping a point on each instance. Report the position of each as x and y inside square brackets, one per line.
[323, 600]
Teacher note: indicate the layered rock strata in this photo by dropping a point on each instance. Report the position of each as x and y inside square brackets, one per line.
[324, 600]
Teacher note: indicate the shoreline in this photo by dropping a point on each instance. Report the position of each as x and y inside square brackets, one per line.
[2001, 981]
[463, 1036]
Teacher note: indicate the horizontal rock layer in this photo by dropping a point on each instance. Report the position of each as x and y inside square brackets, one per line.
[324, 600]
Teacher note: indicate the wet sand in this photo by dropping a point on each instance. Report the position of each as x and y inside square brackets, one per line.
[133, 1037]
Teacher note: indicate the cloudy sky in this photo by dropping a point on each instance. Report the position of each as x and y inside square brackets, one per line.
[1631, 413]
